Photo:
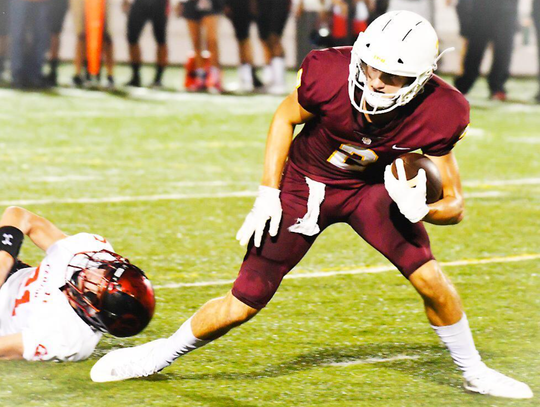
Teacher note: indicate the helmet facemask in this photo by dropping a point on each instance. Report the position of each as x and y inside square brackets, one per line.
[109, 293]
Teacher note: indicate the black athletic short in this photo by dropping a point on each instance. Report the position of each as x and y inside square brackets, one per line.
[242, 14]
[197, 9]
[57, 13]
[141, 11]
[272, 16]
[4, 20]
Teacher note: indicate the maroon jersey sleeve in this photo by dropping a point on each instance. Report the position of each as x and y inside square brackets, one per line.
[449, 121]
[316, 84]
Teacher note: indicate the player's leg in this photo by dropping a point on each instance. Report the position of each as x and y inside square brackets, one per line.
[241, 19]
[503, 44]
[135, 24]
[210, 23]
[17, 18]
[4, 34]
[261, 274]
[476, 47]
[194, 28]
[108, 46]
[406, 245]
[77, 11]
[57, 14]
[262, 18]
[159, 25]
[278, 20]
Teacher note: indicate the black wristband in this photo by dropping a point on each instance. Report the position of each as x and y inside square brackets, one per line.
[11, 240]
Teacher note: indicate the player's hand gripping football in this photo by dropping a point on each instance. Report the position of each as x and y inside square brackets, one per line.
[267, 206]
[411, 200]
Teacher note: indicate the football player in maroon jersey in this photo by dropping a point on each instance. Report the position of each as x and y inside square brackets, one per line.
[362, 108]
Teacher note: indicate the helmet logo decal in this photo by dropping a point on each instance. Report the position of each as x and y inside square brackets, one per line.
[378, 58]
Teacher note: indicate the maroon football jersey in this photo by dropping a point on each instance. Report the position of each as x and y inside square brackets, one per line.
[339, 147]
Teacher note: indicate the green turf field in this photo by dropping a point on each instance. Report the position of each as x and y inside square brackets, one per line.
[168, 178]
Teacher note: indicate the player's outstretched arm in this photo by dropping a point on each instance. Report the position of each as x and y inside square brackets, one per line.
[268, 205]
[14, 224]
[11, 347]
[451, 208]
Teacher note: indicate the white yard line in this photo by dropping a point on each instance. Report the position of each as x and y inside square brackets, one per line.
[177, 197]
[372, 360]
[501, 183]
[367, 270]
[141, 198]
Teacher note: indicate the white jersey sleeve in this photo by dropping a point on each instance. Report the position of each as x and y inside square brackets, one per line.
[32, 303]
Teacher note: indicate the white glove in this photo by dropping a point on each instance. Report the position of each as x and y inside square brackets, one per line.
[411, 201]
[267, 206]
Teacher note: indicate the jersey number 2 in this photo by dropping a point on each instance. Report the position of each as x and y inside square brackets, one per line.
[352, 158]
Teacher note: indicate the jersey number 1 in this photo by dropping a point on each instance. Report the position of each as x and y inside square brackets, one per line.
[26, 296]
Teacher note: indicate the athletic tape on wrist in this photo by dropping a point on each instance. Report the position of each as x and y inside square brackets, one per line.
[11, 240]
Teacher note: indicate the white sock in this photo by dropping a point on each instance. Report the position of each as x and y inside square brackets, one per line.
[268, 75]
[181, 342]
[278, 70]
[459, 341]
[245, 75]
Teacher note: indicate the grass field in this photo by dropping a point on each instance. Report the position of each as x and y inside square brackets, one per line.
[168, 178]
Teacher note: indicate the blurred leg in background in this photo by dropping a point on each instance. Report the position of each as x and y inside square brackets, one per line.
[159, 17]
[494, 22]
[203, 17]
[4, 35]
[311, 17]
[57, 15]
[272, 16]
[242, 14]
[29, 34]
[79, 60]
[536, 20]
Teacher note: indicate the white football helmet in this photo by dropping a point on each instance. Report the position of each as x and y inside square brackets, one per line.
[398, 43]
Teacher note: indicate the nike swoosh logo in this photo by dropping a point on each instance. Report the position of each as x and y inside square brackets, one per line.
[395, 147]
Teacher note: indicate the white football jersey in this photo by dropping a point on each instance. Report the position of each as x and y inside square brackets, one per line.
[31, 303]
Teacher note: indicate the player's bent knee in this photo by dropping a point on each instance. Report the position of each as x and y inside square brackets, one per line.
[430, 281]
[238, 312]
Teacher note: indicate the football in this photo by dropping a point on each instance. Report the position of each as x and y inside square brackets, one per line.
[412, 163]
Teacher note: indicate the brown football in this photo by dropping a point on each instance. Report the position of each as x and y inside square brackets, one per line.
[412, 163]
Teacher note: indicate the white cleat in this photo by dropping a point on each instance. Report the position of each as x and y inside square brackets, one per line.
[128, 363]
[493, 383]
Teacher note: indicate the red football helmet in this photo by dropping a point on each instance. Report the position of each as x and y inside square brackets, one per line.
[109, 293]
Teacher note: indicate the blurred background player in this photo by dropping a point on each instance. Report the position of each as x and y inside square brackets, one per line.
[536, 21]
[59, 310]
[57, 15]
[425, 8]
[242, 14]
[311, 16]
[139, 13]
[494, 22]
[29, 41]
[4, 35]
[202, 18]
[272, 16]
[80, 62]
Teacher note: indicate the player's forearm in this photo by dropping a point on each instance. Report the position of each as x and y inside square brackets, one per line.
[448, 211]
[277, 150]
[41, 231]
